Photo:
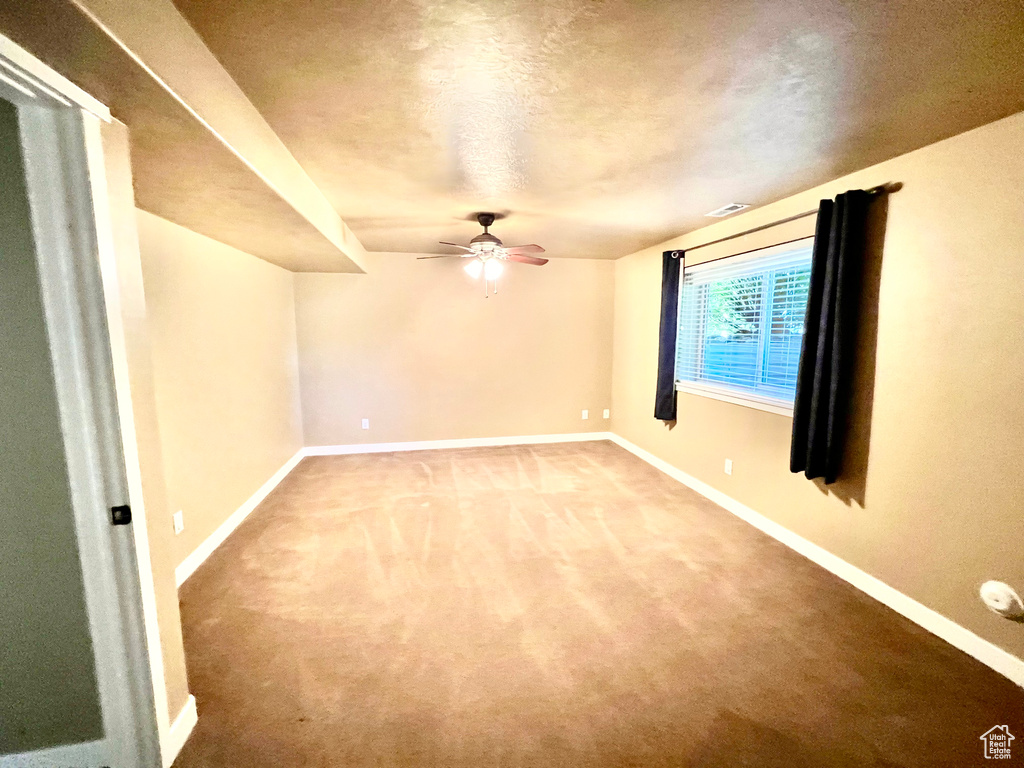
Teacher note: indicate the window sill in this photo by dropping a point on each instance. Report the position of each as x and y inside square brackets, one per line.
[771, 405]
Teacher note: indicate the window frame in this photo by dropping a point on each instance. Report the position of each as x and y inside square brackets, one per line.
[723, 392]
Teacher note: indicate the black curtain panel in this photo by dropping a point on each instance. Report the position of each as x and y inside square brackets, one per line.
[665, 401]
[823, 381]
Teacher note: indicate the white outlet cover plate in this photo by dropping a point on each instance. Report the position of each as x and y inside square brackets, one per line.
[607, 413]
[728, 466]
[179, 521]
[586, 414]
[366, 423]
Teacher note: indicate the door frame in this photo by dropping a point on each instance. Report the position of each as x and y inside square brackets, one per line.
[59, 127]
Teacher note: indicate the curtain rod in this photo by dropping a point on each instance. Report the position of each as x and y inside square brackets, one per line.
[889, 186]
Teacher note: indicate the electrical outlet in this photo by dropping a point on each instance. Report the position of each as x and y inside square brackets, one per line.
[607, 413]
[586, 414]
[366, 423]
[728, 466]
[179, 522]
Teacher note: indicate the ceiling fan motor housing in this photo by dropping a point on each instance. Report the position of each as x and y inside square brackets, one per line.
[485, 242]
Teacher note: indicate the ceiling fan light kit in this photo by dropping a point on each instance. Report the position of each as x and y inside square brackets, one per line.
[492, 270]
[488, 253]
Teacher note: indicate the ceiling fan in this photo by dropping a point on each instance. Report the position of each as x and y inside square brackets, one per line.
[488, 252]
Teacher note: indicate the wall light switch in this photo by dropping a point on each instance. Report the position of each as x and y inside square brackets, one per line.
[366, 423]
[607, 413]
[728, 466]
[179, 522]
[586, 414]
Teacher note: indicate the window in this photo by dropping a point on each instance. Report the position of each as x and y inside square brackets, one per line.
[741, 324]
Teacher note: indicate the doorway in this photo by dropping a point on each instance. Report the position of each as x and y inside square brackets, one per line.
[76, 661]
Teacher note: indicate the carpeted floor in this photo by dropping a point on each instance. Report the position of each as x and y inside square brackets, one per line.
[554, 605]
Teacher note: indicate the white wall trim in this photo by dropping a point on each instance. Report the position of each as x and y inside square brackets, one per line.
[770, 404]
[188, 566]
[35, 76]
[987, 653]
[181, 729]
[89, 753]
[468, 442]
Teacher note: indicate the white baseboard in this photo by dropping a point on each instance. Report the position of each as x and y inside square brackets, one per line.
[215, 539]
[181, 729]
[469, 442]
[91, 753]
[987, 653]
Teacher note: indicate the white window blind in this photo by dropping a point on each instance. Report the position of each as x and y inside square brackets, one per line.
[741, 324]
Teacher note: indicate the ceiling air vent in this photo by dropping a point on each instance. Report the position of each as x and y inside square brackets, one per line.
[725, 210]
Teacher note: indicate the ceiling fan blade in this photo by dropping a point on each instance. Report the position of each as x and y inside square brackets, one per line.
[456, 245]
[441, 256]
[524, 249]
[524, 259]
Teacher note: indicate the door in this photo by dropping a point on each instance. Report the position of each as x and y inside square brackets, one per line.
[76, 685]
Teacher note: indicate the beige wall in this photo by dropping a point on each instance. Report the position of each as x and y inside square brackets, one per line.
[941, 480]
[48, 687]
[416, 348]
[222, 325]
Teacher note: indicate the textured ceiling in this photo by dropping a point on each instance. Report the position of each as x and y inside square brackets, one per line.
[603, 126]
[181, 170]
